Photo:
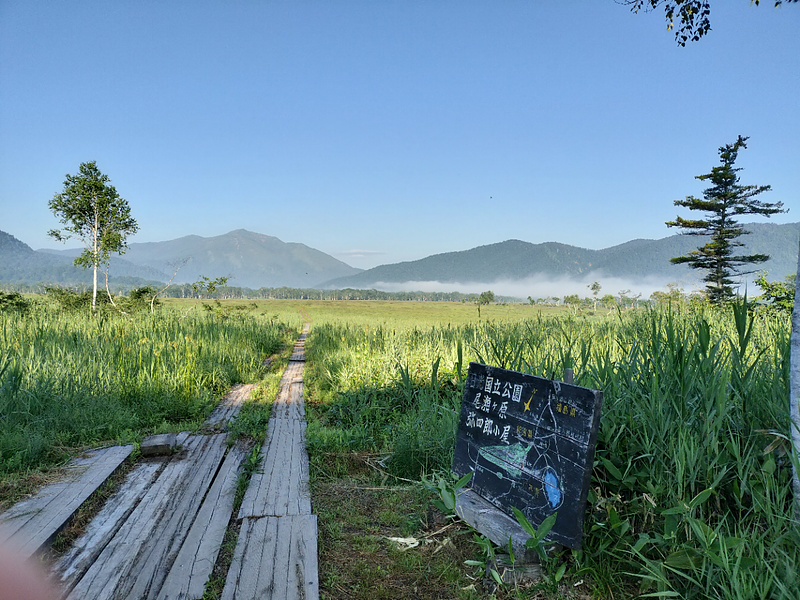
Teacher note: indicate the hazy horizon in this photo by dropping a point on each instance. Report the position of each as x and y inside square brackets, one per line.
[540, 287]
[535, 286]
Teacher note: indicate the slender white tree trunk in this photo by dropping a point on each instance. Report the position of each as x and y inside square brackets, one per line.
[794, 395]
[94, 257]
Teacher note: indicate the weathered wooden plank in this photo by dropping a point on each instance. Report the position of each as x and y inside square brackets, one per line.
[288, 411]
[283, 542]
[31, 525]
[154, 563]
[296, 393]
[259, 497]
[85, 550]
[195, 561]
[289, 404]
[271, 475]
[114, 561]
[304, 577]
[136, 561]
[296, 400]
[162, 444]
[492, 522]
[280, 485]
[275, 558]
[276, 553]
[252, 568]
[292, 374]
[298, 497]
[299, 350]
[229, 406]
[288, 500]
[518, 572]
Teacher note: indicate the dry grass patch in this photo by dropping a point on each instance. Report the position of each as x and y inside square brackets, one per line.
[360, 560]
[15, 488]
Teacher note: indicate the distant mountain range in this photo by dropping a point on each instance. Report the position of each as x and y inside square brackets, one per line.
[249, 260]
[255, 260]
[19, 263]
[635, 260]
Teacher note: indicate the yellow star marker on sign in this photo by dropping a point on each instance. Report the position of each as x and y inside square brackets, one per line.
[528, 404]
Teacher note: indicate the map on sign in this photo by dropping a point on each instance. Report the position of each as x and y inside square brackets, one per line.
[530, 443]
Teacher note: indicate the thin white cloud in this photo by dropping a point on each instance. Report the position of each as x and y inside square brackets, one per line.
[360, 253]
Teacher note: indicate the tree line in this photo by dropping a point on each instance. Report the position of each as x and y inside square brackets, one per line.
[90, 209]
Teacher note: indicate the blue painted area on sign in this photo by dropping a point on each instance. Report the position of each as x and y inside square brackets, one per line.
[551, 488]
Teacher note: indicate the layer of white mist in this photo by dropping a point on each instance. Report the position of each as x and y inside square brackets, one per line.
[541, 286]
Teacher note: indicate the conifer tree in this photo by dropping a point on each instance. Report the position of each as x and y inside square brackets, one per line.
[725, 200]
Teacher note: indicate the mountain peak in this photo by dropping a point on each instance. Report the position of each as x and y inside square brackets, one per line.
[11, 246]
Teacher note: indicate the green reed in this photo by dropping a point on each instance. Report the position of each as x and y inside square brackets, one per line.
[690, 493]
[69, 380]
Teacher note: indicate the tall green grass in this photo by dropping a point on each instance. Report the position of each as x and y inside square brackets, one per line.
[71, 380]
[690, 493]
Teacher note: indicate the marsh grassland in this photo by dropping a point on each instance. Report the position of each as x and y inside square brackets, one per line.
[69, 381]
[690, 493]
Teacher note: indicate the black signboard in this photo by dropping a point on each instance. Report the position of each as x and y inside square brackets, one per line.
[530, 443]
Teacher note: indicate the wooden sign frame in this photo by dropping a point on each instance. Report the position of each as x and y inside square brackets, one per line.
[529, 443]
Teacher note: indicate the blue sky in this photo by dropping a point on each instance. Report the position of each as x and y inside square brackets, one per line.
[380, 131]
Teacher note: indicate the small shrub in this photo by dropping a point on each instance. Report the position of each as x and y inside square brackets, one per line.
[72, 301]
[139, 299]
[13, 301]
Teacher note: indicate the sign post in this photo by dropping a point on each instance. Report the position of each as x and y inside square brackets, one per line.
[529, 443]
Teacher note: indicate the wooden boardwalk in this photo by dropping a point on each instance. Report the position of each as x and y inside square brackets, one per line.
[135, 555]
[276, 553]
[30, 526]
[159, 535]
